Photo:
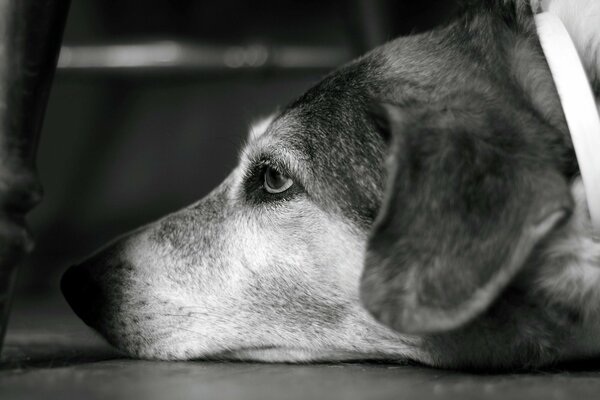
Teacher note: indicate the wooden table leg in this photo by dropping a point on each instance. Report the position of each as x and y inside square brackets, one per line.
[30, 37]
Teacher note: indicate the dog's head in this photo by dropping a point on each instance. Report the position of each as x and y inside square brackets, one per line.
[267, 265]
[450, 234]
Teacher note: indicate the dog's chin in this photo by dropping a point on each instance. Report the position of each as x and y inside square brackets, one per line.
[159, 347]
[299, 355]
[267, 354]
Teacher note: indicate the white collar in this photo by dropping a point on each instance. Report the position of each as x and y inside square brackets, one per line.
[578, 106]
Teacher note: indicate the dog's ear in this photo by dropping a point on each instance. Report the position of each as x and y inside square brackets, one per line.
[467, 199]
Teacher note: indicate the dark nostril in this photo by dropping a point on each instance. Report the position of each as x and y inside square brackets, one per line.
[82, 294]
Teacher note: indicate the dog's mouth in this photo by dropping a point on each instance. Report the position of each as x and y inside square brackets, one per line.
[285, 354]
[243, 353]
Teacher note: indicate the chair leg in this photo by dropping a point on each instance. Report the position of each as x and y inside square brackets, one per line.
[30, 37]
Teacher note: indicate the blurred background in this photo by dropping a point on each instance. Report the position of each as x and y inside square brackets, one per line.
[152, 101]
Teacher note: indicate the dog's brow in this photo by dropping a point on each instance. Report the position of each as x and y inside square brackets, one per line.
[277, 153]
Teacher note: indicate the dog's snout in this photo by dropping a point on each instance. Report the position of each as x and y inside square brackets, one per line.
[83, 294]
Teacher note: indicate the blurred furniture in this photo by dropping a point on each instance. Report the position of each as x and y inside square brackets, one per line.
[367, 23]
[30, 38]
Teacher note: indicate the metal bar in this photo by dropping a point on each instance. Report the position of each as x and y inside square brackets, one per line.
[30, 36]
[176, 57]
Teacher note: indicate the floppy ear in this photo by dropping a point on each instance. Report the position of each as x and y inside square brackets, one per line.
[467, 199]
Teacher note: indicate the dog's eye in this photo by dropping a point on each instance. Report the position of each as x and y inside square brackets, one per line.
[275, 181]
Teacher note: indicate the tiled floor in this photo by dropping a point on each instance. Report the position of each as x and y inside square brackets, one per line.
[49, 354]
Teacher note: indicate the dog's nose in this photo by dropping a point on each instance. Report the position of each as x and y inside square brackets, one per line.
[83, 294]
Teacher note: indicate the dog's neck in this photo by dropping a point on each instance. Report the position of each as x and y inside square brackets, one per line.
[578, 104]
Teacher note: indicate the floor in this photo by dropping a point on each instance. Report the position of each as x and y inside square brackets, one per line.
[50, 354]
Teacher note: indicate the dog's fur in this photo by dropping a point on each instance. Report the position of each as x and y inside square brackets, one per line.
[476, 235]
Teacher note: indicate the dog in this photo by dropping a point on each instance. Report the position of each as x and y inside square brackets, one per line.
[422, 203]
